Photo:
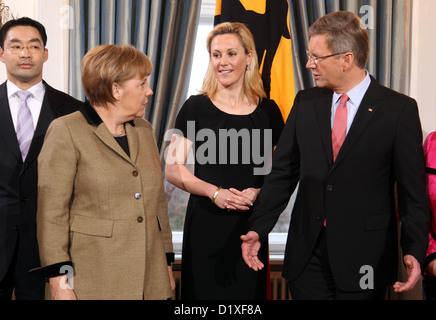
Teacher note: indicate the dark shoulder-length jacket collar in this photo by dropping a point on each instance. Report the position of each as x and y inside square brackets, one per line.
[92, 116]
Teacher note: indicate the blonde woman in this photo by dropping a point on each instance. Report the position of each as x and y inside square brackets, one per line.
[232, 129]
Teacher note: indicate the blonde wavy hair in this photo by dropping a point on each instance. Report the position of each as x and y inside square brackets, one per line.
[253, 85]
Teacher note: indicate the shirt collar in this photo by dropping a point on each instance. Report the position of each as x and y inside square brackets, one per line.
[357, 93]
[38, 90]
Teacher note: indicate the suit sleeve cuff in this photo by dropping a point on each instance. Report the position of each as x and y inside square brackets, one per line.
[53, 270]
[170, 258]
[57, 269]
[429, 259]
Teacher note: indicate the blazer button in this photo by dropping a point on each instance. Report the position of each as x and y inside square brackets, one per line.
[135, 173]
[329, 188]
[140, 219]
[319, 218]
[138, 196]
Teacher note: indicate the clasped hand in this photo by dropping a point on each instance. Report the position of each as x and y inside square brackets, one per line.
[233, 199]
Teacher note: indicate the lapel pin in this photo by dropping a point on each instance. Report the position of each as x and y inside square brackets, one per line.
[370, 110]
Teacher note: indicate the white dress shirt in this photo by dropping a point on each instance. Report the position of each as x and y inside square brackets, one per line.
[355, 96]
[34, 102]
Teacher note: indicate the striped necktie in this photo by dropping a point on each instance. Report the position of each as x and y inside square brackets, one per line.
[339, 130]
[24, 124]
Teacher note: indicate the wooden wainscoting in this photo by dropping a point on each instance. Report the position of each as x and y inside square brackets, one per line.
[280, 289]
[279, 286]
[177, 268]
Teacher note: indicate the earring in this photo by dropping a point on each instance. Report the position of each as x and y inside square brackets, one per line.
[248, 68]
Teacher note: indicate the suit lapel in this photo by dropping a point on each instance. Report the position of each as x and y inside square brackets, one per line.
[7, 129]
[323, 112]
[106, 137]
[366, 112]
[133, 140]
[46, 116]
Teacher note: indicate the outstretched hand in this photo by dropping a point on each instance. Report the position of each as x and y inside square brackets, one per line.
[250, 249]
[413, 272]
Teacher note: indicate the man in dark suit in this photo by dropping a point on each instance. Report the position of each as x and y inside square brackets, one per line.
[342, 240]
[23, 51]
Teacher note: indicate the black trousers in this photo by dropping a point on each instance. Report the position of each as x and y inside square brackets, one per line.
[19, 281]
[428, 288]
[317, 282]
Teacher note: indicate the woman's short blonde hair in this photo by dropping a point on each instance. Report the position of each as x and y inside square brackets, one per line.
[108, 64]
[253, 85]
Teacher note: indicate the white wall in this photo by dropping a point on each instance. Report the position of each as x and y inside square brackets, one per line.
[49, 13]
[423, 80]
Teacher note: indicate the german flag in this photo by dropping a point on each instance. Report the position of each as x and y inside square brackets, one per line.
[268, 20]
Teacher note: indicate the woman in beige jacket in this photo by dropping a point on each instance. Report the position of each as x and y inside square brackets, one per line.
[102, 212]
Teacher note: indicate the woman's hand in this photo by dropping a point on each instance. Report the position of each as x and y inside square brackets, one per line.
[173, 282]
[226, 199]
[60, 289]
[249, 195]
[233, 199]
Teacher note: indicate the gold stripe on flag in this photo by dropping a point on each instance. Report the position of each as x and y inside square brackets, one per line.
[268, 20]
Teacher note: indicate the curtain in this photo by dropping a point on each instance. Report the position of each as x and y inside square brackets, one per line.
[268, 22]
[389, 25]
[164, 30]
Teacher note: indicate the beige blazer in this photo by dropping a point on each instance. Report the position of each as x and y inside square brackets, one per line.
[104, 211]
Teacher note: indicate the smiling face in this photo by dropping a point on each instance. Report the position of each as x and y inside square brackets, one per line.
[229, 60]
[133, 97]
[24, 56]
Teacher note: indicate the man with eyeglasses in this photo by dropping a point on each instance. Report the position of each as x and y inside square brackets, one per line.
[27, 106]
[348, 143]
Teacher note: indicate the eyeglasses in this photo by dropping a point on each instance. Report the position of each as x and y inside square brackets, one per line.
[16, 49]
[315, 60]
